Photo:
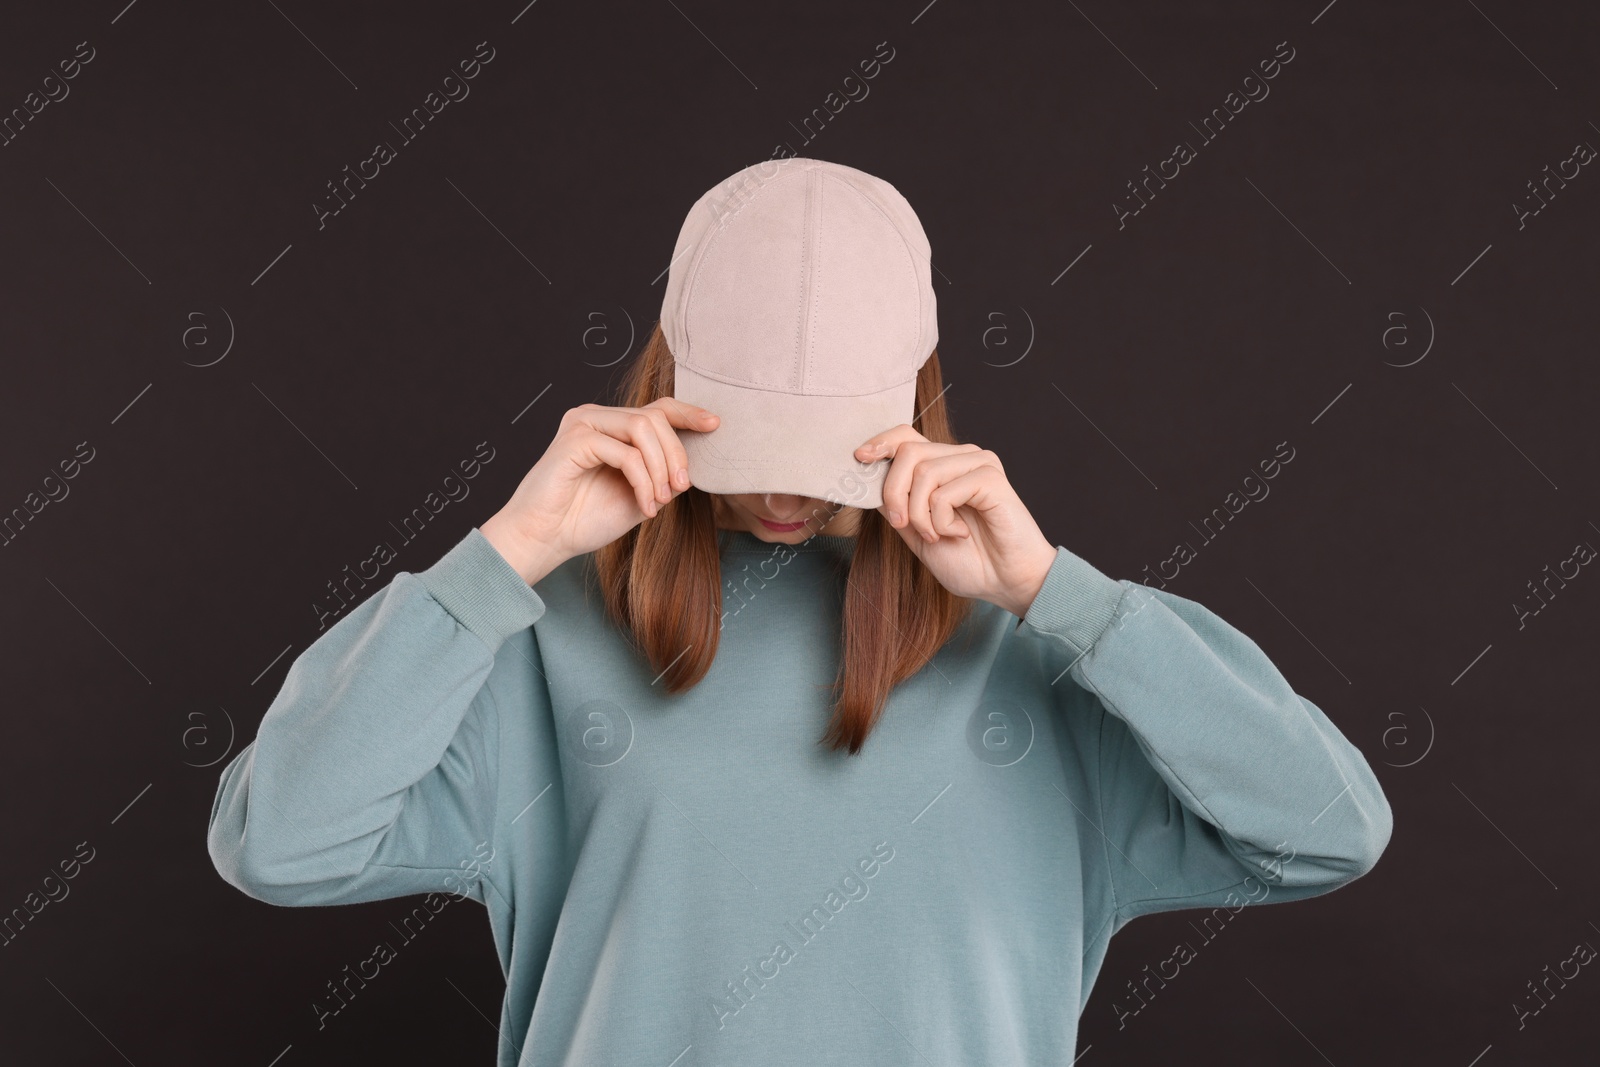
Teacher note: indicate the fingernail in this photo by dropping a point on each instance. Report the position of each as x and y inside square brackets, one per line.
[894, 518]
[683, 478]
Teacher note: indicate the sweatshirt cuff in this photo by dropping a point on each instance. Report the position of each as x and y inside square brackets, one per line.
[1076, 603]
[477, 585]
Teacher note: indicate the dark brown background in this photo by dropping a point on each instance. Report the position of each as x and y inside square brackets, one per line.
[505, 258]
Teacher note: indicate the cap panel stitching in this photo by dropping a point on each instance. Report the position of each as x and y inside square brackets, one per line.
[813, 167]
[687, 296]
[797, 371]
[905, 246]
[816, 292]
[757, 388]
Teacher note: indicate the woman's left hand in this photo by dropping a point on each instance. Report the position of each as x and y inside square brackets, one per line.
[955, 508]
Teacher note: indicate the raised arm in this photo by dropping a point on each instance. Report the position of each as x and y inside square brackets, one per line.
[374, 772]
[1217, 782]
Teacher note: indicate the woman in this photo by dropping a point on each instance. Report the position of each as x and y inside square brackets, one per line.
[606, 714]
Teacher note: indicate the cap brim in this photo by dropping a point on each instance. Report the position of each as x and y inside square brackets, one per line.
[772, 442]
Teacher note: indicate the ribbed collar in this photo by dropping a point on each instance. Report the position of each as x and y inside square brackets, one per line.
[745, 541]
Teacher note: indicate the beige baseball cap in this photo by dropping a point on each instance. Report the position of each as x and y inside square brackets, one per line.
[799, 308]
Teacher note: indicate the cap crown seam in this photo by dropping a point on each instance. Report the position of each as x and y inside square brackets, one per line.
[814, 174]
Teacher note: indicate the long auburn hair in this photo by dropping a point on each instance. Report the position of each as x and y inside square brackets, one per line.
[662, 581]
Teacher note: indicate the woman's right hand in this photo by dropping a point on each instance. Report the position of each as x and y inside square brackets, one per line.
[606, 471]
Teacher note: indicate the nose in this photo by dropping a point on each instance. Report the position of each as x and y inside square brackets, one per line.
[782, 505]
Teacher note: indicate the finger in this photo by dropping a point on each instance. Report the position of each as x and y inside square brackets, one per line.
[634, 427]
[671, 444]
[683, 416]
[666, 441]
[686, 417]
[645, 431]
[975, 490]
[931, 471]
[886, 446]
[867, 452]
[608, 450]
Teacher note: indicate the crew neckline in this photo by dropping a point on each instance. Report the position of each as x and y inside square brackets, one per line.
[744, 541]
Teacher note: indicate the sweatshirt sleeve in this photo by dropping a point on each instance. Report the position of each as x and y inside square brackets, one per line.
[374, 772]
[1217, 783]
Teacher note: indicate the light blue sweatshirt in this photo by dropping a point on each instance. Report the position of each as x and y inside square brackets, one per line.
[692, 879]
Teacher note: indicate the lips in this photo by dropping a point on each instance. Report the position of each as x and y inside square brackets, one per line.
[783, 527]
